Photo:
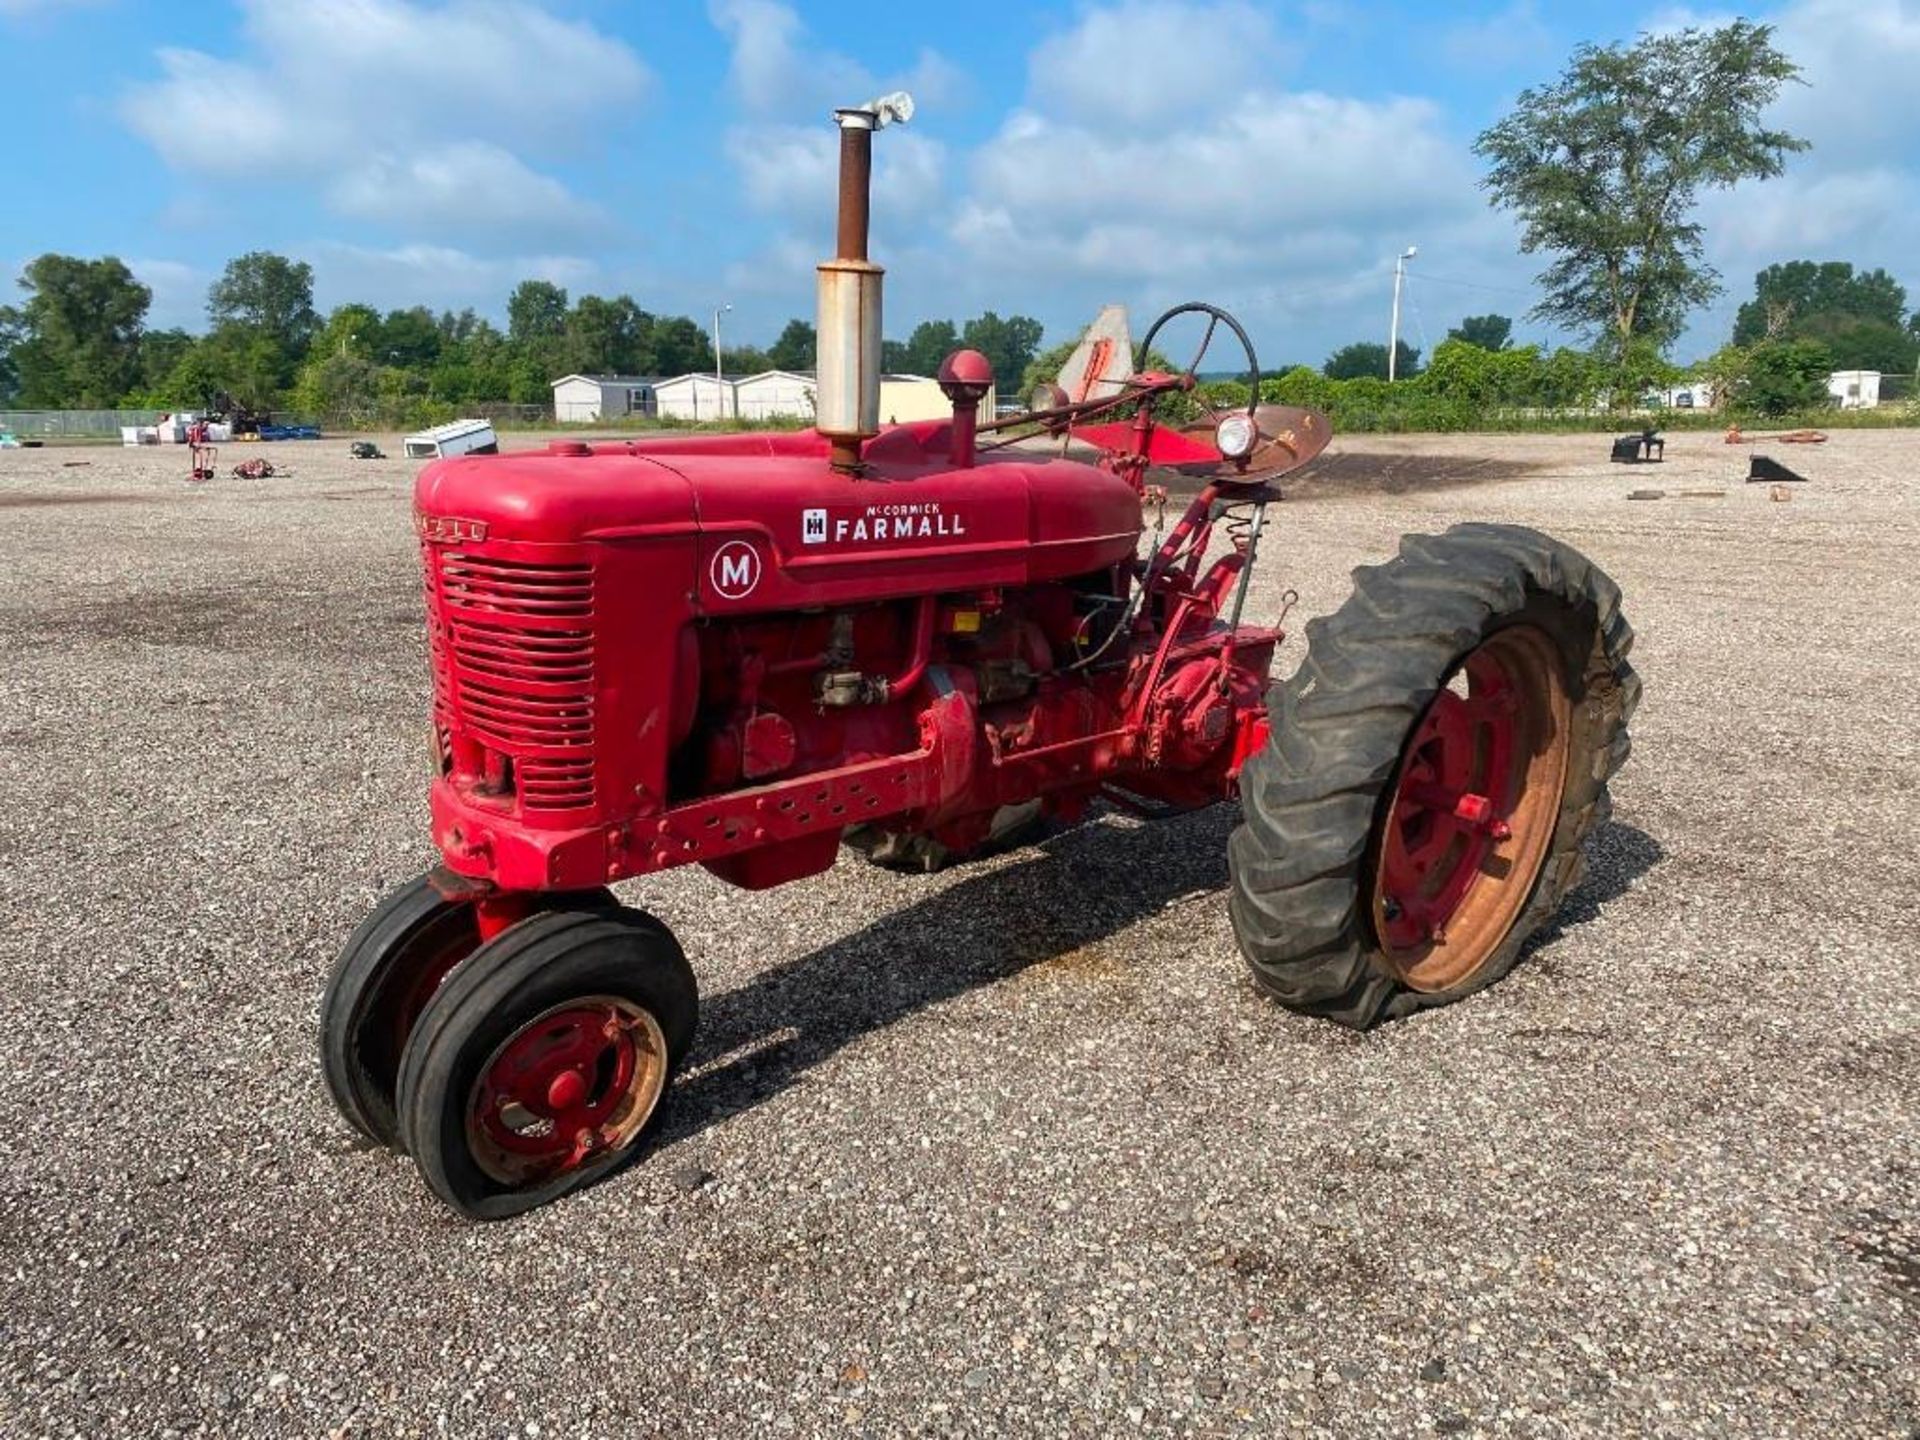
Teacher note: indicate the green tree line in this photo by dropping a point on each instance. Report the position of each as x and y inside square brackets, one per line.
[80, 339]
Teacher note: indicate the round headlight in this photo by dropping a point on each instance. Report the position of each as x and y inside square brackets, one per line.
[1236, 436]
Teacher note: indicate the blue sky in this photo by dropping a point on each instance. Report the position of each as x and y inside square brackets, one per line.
[1270, 157]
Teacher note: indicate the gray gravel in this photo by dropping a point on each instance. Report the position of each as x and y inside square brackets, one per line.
[1009, 1150]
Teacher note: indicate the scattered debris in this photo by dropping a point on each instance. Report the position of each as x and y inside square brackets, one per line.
[689, 1178]
[1803, 437]
[1647, 495]
[1779, 492]
[1765, 467]
[365, 450]
[460, 437]
[256, 469]
[1646, 448]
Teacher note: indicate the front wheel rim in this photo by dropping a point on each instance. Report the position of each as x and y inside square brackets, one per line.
[1475, 804]
[569, 1089]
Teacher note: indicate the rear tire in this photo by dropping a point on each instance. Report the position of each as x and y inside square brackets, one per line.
[1372, 878]
[542, 1061]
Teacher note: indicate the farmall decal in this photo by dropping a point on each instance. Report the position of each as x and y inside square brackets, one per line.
[876, 524]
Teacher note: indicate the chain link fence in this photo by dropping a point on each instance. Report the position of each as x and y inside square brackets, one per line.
[73, 424]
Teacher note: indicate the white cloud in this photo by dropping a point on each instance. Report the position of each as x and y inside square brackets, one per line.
[776, 72]
[1513, 36]
[1284, 206]
[1859, 59]
[793, 171]
[785, 149]
[439, 189]
[1855, 195]
[1270, 159]
[1158, 156]
[179, 293]
[394, 103]
[439, 276]
[1152, 59]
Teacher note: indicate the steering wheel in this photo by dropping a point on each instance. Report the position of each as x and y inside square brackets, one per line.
[1241, 447]
[1216, 317]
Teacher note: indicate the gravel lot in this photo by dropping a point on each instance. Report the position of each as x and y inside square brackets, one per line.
[1014, 1149]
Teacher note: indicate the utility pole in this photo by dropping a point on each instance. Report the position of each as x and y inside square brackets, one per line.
[1393, 332]
[719, 371]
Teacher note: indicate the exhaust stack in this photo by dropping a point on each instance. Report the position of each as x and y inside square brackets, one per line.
[847, 392]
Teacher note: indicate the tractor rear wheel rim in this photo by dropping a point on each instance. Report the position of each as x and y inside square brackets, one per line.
[1473, 810]
[570, 1088]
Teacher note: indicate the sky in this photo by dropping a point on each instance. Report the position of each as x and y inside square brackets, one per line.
[1270, 157]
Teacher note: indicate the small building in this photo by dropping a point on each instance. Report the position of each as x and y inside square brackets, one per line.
[773, 394]
[905, 398]
[581, 399]
[1855, 389]
[699, 397]
[789, 394]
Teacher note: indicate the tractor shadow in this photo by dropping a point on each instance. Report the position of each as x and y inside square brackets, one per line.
[1072, 891]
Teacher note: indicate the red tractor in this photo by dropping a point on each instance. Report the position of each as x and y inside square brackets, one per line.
[744, 651]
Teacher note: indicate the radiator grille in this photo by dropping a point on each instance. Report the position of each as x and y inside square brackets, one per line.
[516, 639]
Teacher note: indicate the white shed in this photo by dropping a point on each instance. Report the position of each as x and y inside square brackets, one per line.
[1855, 389]
[774, 393]
[698, 396]
[589, 398]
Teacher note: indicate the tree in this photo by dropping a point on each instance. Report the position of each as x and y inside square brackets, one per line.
[797, 348]
[1785, 376]
[1861, 318]
[246, 363]
[747, 360]
[1480, 376]
[407, 339]
[1044, 369]
[1008, 344]
[459, 329]
[1369, 359]
[269, 295]
[81, 322]
[13, 332]
[536, 310]
[1489, 332]
[1605, 165]
[338, 385]
[349, 329]
[680, 346]
[930, 343]
[160, 352]
[610, 337]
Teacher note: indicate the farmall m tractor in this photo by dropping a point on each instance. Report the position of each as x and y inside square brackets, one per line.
[742, 651]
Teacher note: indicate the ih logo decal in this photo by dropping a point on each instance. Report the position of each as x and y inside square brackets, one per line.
[813, 527]
[735, 570]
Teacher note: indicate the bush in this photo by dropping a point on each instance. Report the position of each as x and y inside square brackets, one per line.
[1785, 376]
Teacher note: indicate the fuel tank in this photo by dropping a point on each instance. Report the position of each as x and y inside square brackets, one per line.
[775, 527]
